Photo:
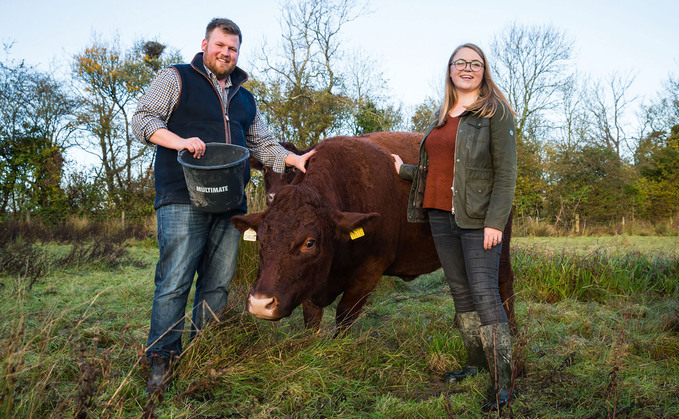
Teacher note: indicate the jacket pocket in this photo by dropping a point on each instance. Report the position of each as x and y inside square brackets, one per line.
[478, 197]
[477, 192]
[478, 141]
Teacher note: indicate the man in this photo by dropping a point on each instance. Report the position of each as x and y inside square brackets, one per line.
[186, 106]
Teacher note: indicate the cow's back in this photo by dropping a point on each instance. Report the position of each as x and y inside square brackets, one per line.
[405, 144]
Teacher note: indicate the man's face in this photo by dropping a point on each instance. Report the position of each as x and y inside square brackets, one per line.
[220, 53]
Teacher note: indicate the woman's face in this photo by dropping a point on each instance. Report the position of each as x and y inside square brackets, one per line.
[467, 80]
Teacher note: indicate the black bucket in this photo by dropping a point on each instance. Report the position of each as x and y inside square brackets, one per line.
[215, 180]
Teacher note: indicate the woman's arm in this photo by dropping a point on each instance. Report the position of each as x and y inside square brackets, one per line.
[503, 150]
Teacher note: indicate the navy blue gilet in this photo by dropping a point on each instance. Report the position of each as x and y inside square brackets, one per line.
[199, 113]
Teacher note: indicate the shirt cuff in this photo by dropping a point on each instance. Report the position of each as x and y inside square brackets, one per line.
[279, 165]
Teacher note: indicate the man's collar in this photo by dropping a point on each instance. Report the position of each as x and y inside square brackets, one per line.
[236, 78]
[214, 78]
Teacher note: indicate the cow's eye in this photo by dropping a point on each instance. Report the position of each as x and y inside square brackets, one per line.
[310, 243]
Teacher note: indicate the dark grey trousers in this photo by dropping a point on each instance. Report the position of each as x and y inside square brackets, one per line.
[471, 271]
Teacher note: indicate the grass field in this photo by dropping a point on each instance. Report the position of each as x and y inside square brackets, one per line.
[614, 244]
[596, 339]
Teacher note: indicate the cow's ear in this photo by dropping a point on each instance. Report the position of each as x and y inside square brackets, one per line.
[291, 147]
[350, 225]
[255, 164]
[244, 222]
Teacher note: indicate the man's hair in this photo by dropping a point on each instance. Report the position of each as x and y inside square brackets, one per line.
[225, 25]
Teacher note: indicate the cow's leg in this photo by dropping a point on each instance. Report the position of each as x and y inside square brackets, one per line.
[506, 284]
[312, 315]
[506, 276]
[353, 299]
[348, 309]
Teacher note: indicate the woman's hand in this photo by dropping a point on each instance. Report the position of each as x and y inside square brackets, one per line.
[491, 237]
[397, 162]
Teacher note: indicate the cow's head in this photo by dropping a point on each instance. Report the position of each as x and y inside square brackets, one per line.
[298, 235]
[273, 181]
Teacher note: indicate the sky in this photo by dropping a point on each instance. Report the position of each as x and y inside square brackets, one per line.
[410, 43]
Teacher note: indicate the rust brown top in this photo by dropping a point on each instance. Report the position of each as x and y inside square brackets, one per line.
[440, 146]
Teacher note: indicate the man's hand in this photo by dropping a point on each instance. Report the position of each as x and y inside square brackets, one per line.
[195, 145]
[168, 139]
[298, 161]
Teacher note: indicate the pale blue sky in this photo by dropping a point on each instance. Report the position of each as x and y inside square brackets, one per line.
[411, 43]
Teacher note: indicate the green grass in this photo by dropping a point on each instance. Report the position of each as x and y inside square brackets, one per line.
[596, 268]
[73, 342]
[612, 244]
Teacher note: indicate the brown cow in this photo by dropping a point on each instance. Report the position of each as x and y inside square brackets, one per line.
[307, 254]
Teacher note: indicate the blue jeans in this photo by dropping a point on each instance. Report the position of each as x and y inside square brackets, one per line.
[189, 242]
[471, 271]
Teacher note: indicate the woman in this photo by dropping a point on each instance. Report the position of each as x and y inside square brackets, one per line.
[464, 185]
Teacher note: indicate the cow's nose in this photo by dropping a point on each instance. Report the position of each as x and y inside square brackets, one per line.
[273, 304]
[263, 307]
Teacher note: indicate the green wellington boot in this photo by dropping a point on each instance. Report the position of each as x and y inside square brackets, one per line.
[470, 329]
[498, 348]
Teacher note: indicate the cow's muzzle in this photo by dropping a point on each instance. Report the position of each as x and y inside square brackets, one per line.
[263, 307]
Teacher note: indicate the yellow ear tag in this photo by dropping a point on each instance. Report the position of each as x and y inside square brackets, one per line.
[250, 235]
[357, 233]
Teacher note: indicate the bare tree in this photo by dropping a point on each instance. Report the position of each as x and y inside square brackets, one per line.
[532, 66]
[575, 123]
[608, 104]
[365, 88]
[663, 112]
[305, 90]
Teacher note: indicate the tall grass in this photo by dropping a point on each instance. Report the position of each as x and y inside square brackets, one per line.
[76, 229]
[553, 277]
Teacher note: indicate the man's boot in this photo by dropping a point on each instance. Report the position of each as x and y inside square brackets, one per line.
[470, 329]
[498, 347]
[160, 374]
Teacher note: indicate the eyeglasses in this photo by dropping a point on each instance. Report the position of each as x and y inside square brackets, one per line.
[460, 65]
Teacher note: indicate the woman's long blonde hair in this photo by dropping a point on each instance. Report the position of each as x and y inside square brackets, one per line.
[490, 96]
